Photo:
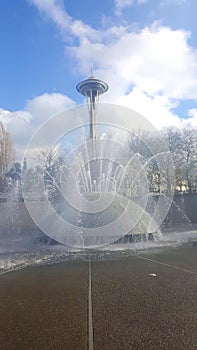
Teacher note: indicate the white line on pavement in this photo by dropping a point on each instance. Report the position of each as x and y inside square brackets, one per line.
[90, 324]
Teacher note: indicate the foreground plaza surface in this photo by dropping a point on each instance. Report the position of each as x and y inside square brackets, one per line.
[137, 303]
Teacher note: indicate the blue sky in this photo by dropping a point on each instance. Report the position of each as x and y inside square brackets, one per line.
[145, 49]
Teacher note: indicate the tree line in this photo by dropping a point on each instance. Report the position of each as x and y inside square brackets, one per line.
[7, 157]
[171, 166]
[176, 151]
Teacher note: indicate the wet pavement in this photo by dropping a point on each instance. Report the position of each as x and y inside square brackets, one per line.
[138, 304]
[139, 301]
[44, 308]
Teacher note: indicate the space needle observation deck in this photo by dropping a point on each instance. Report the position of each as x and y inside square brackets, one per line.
[92, 88]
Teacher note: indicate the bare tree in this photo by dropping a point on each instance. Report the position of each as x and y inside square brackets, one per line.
[183, 147]
[7, 154]
[154, 149]
[189, 155]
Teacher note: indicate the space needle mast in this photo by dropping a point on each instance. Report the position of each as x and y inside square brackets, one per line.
[92, 88]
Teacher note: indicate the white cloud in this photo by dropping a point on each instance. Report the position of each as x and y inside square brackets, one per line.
[156, 109]
[122, 4]
[7, 117]
[46, 105]
[150, 70]
[164, 3]
[18, 123]
[156, 59]
[23, 124]
[55, 10]
[192, 120]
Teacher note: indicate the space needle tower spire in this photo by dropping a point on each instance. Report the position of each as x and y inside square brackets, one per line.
[92, 88]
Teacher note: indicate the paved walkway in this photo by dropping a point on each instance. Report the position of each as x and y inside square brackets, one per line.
[138, 304]
[44, 308]
[128, 303]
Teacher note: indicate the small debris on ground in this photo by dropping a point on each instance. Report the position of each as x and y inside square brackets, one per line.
[152, 274]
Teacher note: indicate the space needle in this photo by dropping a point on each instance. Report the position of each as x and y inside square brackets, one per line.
[92, 88]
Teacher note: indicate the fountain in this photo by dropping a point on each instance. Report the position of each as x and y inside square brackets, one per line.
[87, 188]
[93, 189]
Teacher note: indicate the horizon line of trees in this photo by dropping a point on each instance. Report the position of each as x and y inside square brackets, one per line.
[178, 175]
[179, 171]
